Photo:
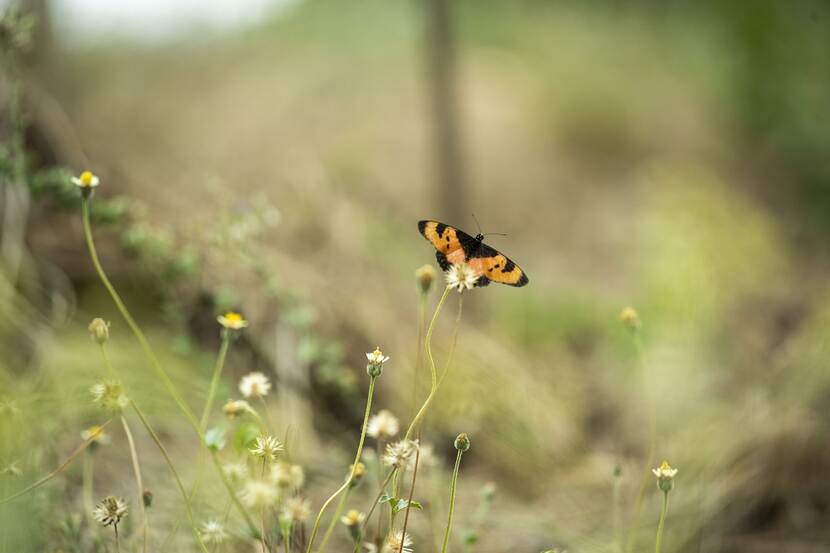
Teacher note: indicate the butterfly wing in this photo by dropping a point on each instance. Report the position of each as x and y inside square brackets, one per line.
[456, 246]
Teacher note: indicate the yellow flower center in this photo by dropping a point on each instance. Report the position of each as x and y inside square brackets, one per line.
[231, 316]
[86, 178]
[665, 466]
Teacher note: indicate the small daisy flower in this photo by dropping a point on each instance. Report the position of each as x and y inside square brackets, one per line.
[376, 362]
[259, 493]
[236, 472]
[232, 321]
[99, 330]
[461, 277]
[254, 384]
[86, 180]
[110, 511]
[398, 454]
[383, 425]
[236, 407]
[213, 532]
[96, 436]
[296, 509]
[266, 447]
[109, 395]
[353, 518]
[665, 476]
[394, 542]
[287, 476]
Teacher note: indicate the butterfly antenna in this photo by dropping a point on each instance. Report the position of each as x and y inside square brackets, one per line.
[477, 225]
[495, 234]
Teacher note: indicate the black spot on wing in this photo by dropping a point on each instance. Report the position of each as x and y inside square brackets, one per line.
[442, 261]
[508, 267]
[482, 281]
[439, 229]
[522, 281]
[422, 227]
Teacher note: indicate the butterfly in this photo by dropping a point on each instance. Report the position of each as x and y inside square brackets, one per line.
[455, 246]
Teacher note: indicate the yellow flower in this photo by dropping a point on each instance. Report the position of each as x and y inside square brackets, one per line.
[630, 318]
[353, 518]
[95, 434]
[86, 180]
[232, 321]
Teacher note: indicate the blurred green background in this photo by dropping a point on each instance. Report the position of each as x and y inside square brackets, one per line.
[275, 157]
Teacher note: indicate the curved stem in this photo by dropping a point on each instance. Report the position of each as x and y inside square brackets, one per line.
[348, 481]
[161, 447]
[662, 523]
[214, 381]
[335, 518]
[137, 471]
[452, 500]
[122, 308]
[454, 342]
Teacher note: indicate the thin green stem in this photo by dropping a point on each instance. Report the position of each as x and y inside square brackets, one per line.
[58, 470]
[175, 473]
[348, 481]
[335, 518]
[433, 371]
[453, 486]
[409, 501]
[454, 341]
[660, 525]
[117, 541]
[652, 436]
[214, 381]
[377, 498]
[122, 308]
[87, 487]
[616, 512]
[137, 471]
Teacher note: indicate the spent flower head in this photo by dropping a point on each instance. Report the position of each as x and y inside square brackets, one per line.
[259, 493]
[110, 511]
[383, 425]
[425, 275]
[254, 384]
[665, 476]
[462, 277]
[286, 475]
[213, 531]
[398, 454]
[236, 407]
[99, 330]
[232, 321]
[109, 396]
[397, 542]
[296, 509]
[462, 442]
[236, 472]
[266, 447]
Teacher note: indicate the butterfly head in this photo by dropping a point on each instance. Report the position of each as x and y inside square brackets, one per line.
[480, 237]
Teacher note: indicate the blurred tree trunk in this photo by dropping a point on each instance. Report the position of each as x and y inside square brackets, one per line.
[448, 193]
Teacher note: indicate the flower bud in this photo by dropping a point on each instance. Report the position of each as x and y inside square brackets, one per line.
[147, 497]
[99, 330]
[425, 275]
[462, 442]
[630, 319]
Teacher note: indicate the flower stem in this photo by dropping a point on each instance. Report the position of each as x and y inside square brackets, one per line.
[57, 471]
[86, 490]
[662, 522]
[454, 341]
[452, 500]
[409, 501]
[377, 498]
[161, 447]
[335, 518]
[214, 381]
[137, 471]
[348, 481]
[122, 308]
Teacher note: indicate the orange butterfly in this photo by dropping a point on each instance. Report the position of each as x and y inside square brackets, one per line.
[456, 246]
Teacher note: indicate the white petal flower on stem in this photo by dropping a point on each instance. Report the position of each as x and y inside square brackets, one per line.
[377, 357]
[86, 180]
[398, 454]
[462, 277]
[232, 321]
[255, 384]
[383, 425]
[266, 447]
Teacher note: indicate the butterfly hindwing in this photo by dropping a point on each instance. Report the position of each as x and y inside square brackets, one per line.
[456, 246]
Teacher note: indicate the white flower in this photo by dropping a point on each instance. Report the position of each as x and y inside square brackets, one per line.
[266, 447]
[383, 426]
[259, 493]
[398, 454]
[376, 357]
[664, 471]
[232, 320]
[110, 511]
[353, 518]
[86, 180]
[461, 277]
[296, 509]
[213, 532]
[235, 471]
[393, 543]
[254, 384]
[286, 475]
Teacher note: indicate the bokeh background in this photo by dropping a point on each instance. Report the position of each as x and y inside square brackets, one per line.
[274, 157]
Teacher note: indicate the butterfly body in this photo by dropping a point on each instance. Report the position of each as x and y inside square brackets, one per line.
[454, 246]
